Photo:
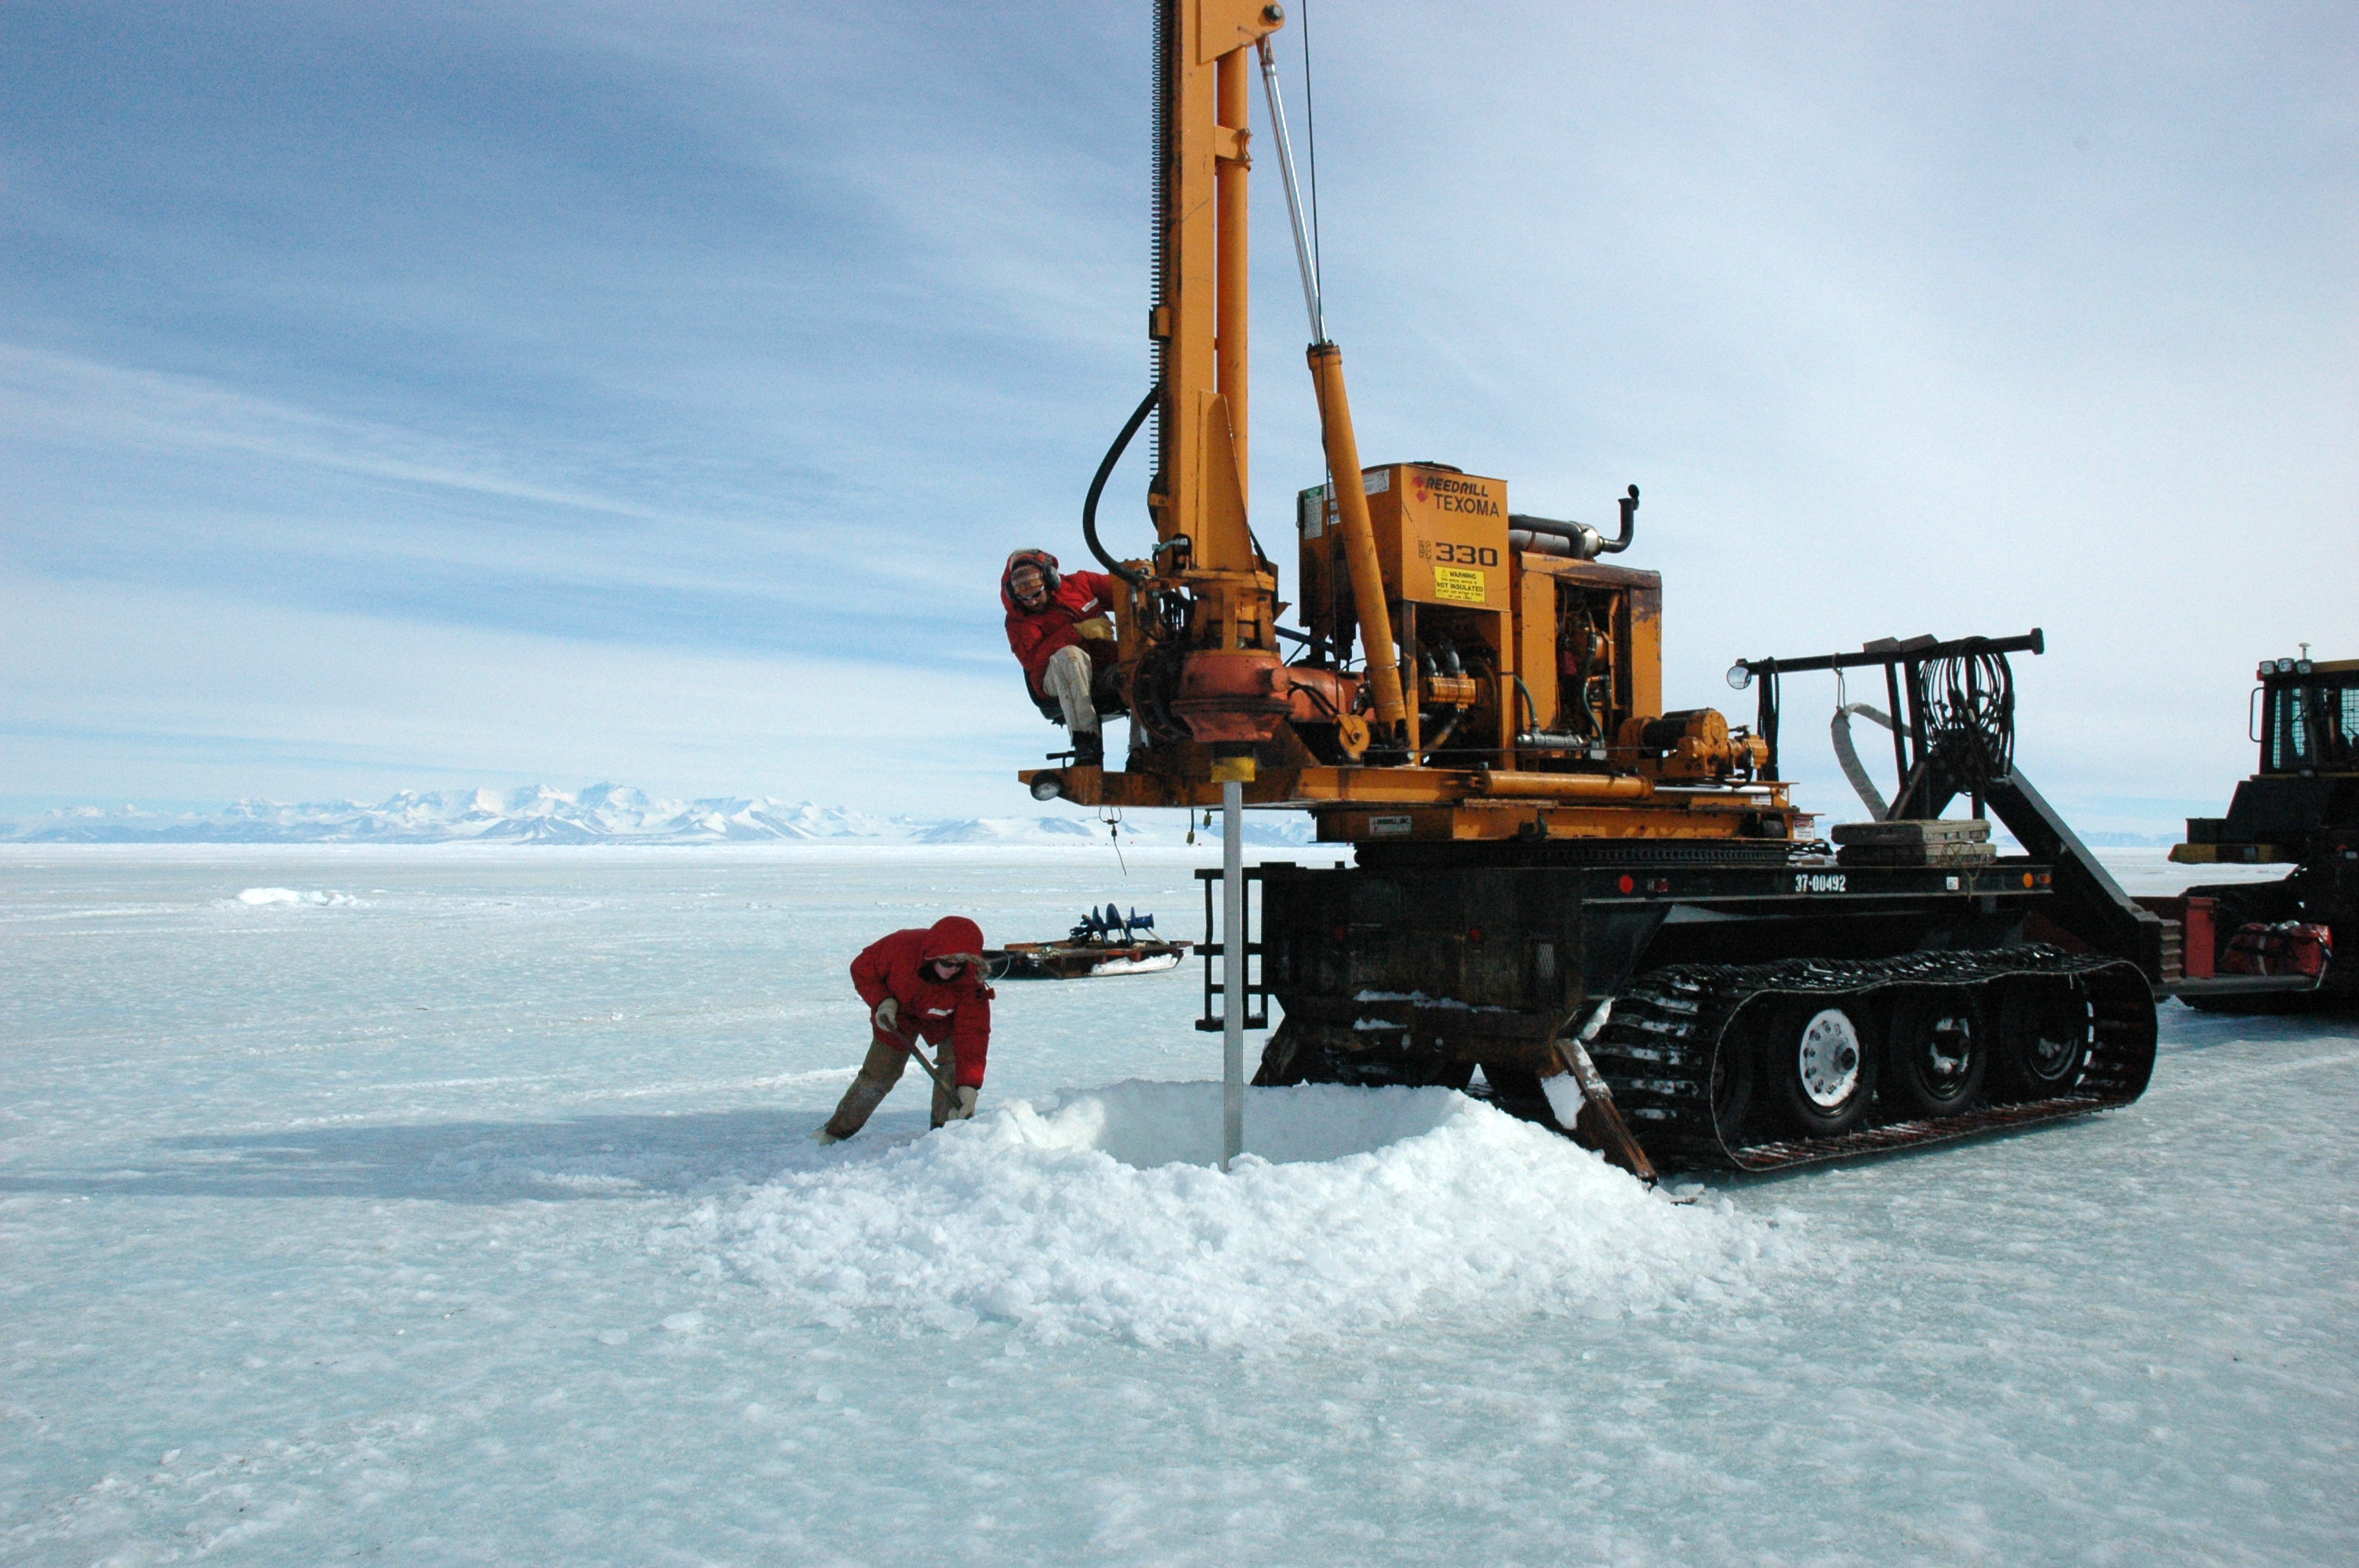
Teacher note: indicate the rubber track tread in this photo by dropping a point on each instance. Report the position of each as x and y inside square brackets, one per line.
[1656, 1050]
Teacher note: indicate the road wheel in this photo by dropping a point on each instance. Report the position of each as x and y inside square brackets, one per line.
[1935, 1053]
[1820, 1063]
[2043, 1037]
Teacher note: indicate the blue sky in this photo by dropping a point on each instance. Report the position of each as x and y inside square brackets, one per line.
[415, 396]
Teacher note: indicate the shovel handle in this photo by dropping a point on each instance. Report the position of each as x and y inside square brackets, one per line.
[902, 1041]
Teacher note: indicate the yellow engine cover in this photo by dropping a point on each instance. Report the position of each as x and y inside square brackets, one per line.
[1441, 537]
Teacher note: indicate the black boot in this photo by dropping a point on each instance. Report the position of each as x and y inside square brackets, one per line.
[1089, 750]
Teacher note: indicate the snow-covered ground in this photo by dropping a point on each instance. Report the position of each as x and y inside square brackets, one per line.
[451, 1205]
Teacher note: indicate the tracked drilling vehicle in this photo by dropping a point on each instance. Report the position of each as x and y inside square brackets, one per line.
[1556, 876]
[2301, 808]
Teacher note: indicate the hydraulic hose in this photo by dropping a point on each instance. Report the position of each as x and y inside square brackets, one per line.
[1847, 755]
[1097, 488]
[1441, 737]
[1530, 707]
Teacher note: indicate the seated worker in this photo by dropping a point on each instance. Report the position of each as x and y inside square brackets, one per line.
[1060, 626]
[919, 985]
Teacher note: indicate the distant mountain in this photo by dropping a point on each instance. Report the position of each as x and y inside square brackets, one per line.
[603, 814]
[1008, 831]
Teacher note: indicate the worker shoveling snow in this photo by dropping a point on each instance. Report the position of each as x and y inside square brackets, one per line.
[1350, 1209]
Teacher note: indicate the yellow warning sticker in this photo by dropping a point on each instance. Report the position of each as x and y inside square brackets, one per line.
[1460, 585]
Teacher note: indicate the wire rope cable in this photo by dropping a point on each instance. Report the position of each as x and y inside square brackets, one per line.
[1310, 150]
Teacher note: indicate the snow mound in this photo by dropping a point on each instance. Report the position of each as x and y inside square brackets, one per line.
[255, 898]
[1105, 1214]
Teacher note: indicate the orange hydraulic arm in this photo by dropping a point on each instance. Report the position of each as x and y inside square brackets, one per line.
[1359, 533]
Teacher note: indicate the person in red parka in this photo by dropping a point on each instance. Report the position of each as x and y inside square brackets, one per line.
[921, 985]
[1060, 626]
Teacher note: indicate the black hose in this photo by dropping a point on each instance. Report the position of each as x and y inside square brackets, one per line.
[1441, 736]
[1320, 697]
[1097, 488]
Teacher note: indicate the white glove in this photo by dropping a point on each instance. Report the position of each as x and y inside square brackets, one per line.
[964, 1110]
[887, 1014]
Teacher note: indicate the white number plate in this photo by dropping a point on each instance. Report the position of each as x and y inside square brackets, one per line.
[1818, 882]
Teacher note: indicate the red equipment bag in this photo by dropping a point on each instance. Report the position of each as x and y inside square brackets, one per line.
[2288, 947]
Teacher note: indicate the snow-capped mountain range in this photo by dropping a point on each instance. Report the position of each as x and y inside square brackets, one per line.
[601, 814]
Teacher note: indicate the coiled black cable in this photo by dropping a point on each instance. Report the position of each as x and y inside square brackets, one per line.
[1969, 707]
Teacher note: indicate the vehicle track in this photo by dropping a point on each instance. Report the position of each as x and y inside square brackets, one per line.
[1669, 1030]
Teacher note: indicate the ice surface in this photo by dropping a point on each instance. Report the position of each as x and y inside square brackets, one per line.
[1350, 1209]
[472, 1222]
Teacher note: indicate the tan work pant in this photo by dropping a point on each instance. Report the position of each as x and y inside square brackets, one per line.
[878, 1074]
[1067, 677]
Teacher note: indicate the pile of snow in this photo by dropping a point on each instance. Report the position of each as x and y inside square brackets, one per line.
[1106, 1215]
[256, 897]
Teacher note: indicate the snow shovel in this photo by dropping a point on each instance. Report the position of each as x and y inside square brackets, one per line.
[917, 1052]
[932, 1071]
[909, 1045]
[1606, 1129]
[905, 1043]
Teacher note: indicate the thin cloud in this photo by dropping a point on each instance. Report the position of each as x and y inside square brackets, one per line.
[758, 336]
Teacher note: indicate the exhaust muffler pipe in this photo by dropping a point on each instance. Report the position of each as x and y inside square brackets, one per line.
[1578, 541]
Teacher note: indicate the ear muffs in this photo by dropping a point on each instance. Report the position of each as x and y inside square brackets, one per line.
[1051, 578]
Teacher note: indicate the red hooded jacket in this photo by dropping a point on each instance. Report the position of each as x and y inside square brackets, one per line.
[1035, 635]
[959, 1012]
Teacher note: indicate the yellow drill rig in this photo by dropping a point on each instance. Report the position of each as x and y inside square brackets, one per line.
[1555, 874]
[1509, 683]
